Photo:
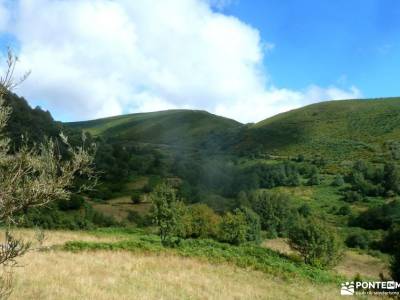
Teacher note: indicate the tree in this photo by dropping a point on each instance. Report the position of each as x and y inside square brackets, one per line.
[136, 197]
[317, 244]
[274, 211]
[233, 228]
[253, 233]
[201, 221]
[391, 178]
[167, 211]
[31, 177]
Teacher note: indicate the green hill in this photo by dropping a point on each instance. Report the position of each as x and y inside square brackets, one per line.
[336, 129]
[187, 128]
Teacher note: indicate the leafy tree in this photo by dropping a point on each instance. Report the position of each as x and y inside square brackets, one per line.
[253, 233]
[31, 176]
[392, 178]
[167, 211]
[233, 228]
[317, 244]
[201, 221]
[274, 211]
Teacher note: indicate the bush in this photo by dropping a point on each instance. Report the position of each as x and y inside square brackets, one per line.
[136, 197]
[304, 210]
[352, 196]
[379, 217]
[338, 181]
[318, 245]
[344, 211]
[138, 219]
[200, 221]
[360, 241]
[74, 203]
[274, 211]
[167, 211]
[233, 228]
[253, 233]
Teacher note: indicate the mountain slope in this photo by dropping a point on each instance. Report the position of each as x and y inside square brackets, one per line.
[188, 128]
[335, 129]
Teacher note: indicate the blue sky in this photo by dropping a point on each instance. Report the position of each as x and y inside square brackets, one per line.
[244, 59]
[325, 41]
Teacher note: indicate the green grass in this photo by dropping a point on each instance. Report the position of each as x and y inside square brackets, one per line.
[336, 129]
[245, 256]
[181, 128]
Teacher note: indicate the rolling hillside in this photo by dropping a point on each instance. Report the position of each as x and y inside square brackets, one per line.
[186, 128]
[336, 129]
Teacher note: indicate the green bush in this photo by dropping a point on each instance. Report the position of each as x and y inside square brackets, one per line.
[200, 221]
[352, 196]
[338, 181]
[358, 241]
[304, 210]
[317, 244]
[274, 210]
[233, 228]
[253, 233]
[136, 197]
[344, 210]
[167, 211]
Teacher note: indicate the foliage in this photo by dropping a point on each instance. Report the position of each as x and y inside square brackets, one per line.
[395, 266]
[200, 221]
[317, 244]
[338, 181]
[233, 228]
[358, 241]
[253, 222]
[379, 217]
[167, 211]
[31, 176]
[244, 256]
[275, 211]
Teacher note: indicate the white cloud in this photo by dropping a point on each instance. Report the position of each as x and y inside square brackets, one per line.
[4, 16]
[95, 58]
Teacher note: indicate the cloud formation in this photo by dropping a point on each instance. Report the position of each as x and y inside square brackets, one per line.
[96, 58]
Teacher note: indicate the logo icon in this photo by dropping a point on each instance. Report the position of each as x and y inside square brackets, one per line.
[347, 289]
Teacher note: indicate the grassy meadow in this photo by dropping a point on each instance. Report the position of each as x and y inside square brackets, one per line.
[132, 264]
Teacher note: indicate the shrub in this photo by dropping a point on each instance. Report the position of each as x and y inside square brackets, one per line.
[304, 210]
[253, 233]
[136, 197]
[167, 211]
[233, 228]
[74, 203]
[317, 244]
[314, 177]
[200, 221]
[338, 181]
[344, 210]
[274, 211]
[379, 217]
[358, 241]
[352, 196]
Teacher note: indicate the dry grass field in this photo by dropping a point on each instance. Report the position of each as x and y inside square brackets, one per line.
[58, 274]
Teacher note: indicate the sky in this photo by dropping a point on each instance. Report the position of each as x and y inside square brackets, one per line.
[242, 59]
